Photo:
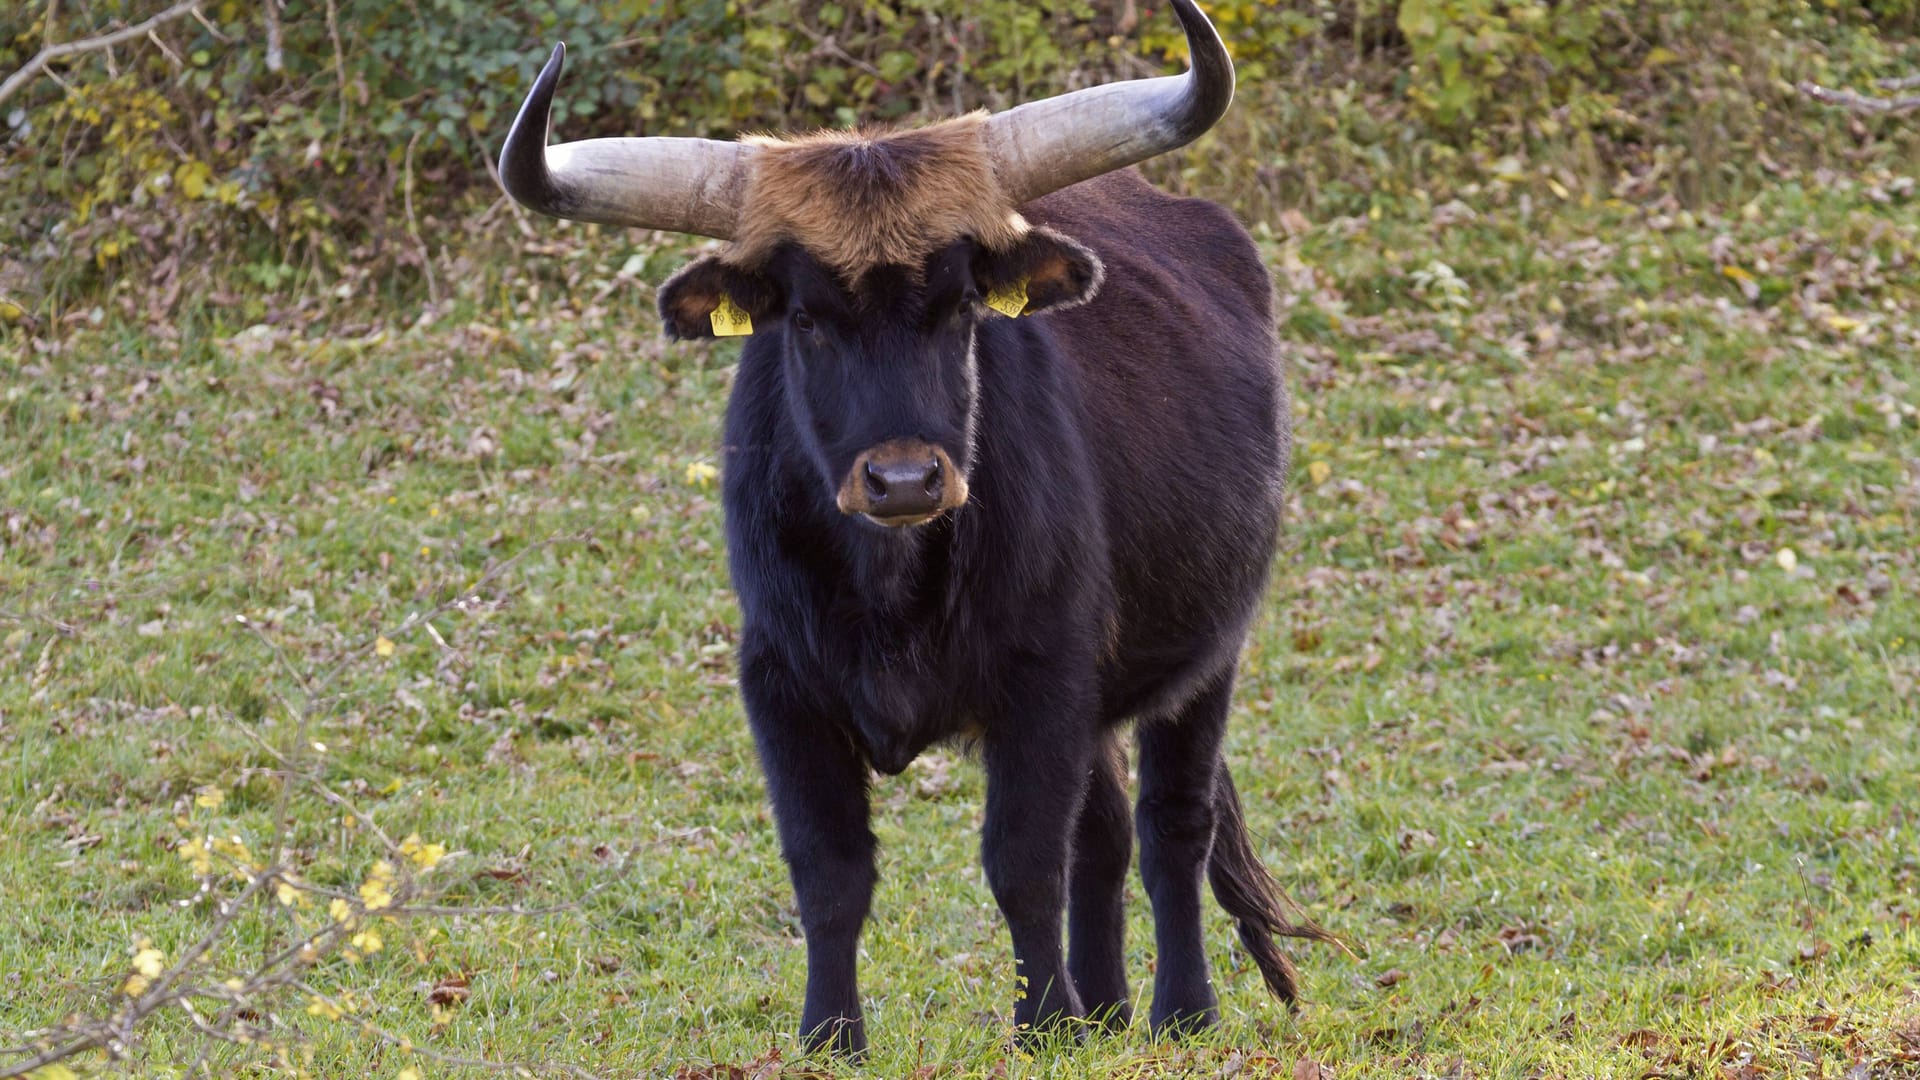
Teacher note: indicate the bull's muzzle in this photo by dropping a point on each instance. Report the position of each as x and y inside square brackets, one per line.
[902, 482]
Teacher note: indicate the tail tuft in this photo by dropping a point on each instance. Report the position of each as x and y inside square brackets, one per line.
[1258, 905]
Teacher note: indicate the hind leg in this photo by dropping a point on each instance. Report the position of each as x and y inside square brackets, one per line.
[1179, 765]
[1096, 909]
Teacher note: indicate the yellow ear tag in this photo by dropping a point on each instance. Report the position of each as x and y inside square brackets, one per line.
[1009, 300]
[730, 320]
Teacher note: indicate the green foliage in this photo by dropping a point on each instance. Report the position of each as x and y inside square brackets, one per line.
[143, 160]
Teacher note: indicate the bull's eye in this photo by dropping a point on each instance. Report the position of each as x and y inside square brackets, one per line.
[803, 322]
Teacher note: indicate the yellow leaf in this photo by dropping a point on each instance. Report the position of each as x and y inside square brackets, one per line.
[52, 1072]
[1558, 188]
[147, 964]
[1319, 472]
[1787, 559]
[700, 474]
[383, 646]
[197, 854]
[368, 941]
[425, 856]
[231, 847]
[340, 911]
[1736, 273]
[1842, 323]
[192, 178]
[209, 798]
[408, 1073]
[377, 891]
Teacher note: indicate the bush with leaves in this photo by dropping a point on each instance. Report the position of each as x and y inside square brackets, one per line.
[363, 136]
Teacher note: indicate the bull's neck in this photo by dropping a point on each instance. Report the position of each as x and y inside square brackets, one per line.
[898, 572]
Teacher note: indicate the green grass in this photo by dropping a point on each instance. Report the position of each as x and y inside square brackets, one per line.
[1539, 713]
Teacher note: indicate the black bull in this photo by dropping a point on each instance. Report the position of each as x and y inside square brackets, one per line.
[1124, 457]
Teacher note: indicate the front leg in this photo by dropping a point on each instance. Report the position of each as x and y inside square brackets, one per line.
[1036, 776]
[818, 784]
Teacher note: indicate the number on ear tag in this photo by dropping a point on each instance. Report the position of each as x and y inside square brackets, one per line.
[1009, 299]
[730, 320]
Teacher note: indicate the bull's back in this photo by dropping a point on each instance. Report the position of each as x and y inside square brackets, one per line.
[1187, 415]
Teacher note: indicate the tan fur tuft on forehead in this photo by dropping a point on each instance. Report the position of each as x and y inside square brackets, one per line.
[860, 199]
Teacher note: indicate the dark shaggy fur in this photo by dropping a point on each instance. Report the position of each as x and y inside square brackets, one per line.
[1126, 448]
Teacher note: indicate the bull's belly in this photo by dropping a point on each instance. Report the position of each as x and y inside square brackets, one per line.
[1183, 621]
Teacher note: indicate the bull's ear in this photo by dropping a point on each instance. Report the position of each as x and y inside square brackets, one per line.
[1051, 270]
[691, 298]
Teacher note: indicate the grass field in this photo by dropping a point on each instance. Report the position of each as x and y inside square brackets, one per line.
[1584, 702]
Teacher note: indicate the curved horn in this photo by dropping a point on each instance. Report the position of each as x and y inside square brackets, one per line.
[678, 185]
[1045, 145]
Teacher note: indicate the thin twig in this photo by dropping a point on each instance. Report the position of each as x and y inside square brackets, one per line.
[178, 63]
[1905, 82]
[48, 54]
[64, 629]
[413, 225]
[826, 44]
[154, 998]
[212, 30]
[1859, 102]
[339, 71]
[276, 969]
[493, 173]
[276, 54]
[412, 1047]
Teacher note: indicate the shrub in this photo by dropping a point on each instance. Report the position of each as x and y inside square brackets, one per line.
[139, 157]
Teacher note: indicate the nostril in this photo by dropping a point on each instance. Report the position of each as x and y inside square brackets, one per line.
[876, 484]
[932, 483]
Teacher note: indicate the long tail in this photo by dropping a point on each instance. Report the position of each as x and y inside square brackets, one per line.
[1257, 903]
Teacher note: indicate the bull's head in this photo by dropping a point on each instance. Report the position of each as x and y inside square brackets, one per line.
[873, 257]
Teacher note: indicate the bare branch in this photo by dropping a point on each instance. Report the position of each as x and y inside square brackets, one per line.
[284, 959]
[155, 997]
[1859, 102]
[1907, 82]
[50, 53]
[212, 30]
[169, 53]
[413, 226]
[339, 70]
[276, 54]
